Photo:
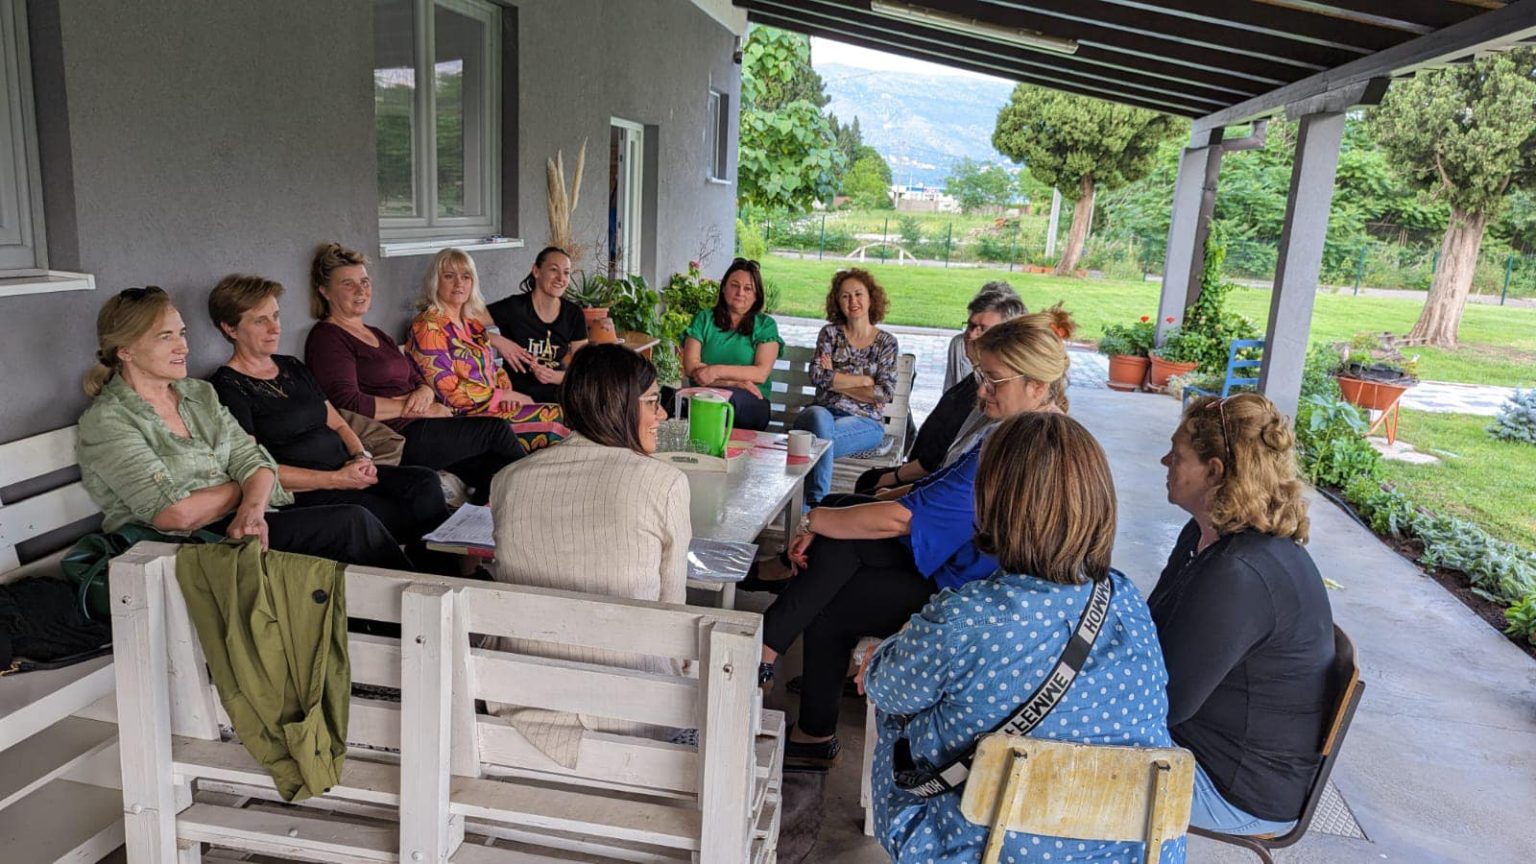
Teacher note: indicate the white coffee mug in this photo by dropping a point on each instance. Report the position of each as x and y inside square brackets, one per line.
[800, 442]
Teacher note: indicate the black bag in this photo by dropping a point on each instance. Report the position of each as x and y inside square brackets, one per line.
[42, 627]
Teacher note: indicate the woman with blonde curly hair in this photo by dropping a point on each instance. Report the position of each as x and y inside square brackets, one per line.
[1243, 618]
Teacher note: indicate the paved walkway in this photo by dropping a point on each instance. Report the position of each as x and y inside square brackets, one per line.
[1440, 764]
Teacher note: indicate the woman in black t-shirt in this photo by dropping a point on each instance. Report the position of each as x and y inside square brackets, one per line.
[1243, 618]
[320, 459]
[542, 323]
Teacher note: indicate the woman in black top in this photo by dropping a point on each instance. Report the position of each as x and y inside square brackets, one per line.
[545, 329]
[1243, 618]
[989, 308]
[276, 399]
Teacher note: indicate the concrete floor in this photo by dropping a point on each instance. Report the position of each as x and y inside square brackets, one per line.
[1440, 764]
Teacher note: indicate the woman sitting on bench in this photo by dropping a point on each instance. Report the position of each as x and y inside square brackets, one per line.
[595, 514]
[1045, 507]
[733, 346]
[320, 459]
[865, 565]
[361, 369]
[156, 448]
[457, 356]
[1243, 617]
[854, 371]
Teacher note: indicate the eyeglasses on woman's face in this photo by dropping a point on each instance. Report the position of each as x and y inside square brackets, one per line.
[987, 382]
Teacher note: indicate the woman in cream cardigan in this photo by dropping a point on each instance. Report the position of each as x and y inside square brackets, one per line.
[595, 514]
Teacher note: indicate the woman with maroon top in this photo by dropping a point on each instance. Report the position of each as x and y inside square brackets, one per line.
[361, 369]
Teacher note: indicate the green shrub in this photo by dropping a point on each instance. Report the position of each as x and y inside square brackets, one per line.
[1208, 315]
[911, 232]
[1516, 420]
[1133, 339]
[1330, 435]
[1183, 346]
[749, 241]
[994, 245]
[1521, 619]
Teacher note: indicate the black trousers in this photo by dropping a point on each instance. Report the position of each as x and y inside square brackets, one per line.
[850, 589]
[408, 499]
[752, 409]
[868, 482]
[340, 532]
[472, 448]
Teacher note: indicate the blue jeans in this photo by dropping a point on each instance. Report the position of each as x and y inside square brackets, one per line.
[1214, 813]
[849, 433]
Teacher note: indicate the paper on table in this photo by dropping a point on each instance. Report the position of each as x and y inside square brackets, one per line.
[708, 560]
[470, 525]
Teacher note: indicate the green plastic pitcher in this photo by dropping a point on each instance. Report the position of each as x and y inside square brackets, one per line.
[710, 420]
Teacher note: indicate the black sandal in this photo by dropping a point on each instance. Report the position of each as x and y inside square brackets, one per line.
[753, 582]
[817, 756]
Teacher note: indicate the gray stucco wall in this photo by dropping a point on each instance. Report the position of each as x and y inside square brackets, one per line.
[182, 140]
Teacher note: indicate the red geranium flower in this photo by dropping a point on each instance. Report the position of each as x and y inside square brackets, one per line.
[1146, 318]
[1170, 319]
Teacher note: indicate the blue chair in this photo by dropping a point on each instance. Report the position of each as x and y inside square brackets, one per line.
[1233, 365]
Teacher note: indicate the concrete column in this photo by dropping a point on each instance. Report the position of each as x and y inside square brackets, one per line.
[1190, 220]
[1301, 257]
[1050, 230]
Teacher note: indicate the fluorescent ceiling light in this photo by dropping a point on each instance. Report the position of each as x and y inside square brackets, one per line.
[952, 23]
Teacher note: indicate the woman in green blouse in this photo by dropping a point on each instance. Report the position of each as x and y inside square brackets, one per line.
[733, 346]
[158, 449]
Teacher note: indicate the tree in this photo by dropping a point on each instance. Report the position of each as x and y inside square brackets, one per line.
[868, 183]
[1467, 135]
[788, 155]
[1079, 144]
[978, 184]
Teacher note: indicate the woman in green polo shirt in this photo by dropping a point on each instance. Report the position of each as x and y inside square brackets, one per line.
[733, 346]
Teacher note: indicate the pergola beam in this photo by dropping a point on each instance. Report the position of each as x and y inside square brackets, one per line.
[1494, 28]
[1165, 103]
[1021, 62]
[1254, 18]
[1415, 16]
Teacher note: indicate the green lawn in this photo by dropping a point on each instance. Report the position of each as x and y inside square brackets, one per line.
[1479, 477]
[1498, 343]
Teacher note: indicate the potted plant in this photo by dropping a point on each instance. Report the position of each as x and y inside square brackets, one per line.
[594, 294]
[1127, 346]
[1374, 376]
[1179, 354]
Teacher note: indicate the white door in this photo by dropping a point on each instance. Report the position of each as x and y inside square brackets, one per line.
[626, 184]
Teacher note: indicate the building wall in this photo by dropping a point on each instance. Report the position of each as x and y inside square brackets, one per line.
[182, 140]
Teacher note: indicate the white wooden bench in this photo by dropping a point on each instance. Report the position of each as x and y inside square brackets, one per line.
[427, 778]
[59, 800]
[793, 390]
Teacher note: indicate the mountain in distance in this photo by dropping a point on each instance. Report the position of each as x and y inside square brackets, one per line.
[921, 124]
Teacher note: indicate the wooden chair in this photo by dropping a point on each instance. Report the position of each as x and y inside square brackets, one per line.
[427, 778]
[59, 800]
[1234, 365]
[1349, 688]
[1084, 791]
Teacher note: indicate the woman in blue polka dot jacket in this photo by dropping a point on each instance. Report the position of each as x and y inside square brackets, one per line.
[1045, 507]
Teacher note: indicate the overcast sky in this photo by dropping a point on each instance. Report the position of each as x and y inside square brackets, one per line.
[827, 51]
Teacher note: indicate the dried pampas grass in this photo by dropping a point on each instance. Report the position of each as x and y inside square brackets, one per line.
[562, 200]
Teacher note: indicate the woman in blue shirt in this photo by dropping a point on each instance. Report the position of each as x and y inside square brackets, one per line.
[880, 559]
[1045, 508]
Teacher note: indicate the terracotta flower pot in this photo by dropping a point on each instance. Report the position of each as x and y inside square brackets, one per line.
[601, 331]
[1127, 371]
[1372, 395]
[1162, 370]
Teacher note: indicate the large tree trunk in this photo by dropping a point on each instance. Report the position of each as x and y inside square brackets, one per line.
[1077, 235]
[1441, 318]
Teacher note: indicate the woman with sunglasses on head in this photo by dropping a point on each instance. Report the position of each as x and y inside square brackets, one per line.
[158, 449]
[362, 370]
[854, 372]
[956, 413]
[1243, 618]
[732, 346]
[543, 330]
[864, 565]
[596, 515]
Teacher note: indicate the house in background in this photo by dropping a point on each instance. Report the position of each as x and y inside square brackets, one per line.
[173, 142]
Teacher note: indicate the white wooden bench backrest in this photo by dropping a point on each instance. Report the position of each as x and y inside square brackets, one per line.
[435, 728]
[28, 518]
[793, 390]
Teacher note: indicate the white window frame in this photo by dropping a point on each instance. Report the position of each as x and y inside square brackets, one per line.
[399, 232]
[718, 135]
[23, 240]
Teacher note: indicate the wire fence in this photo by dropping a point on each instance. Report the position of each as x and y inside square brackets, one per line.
[1019, 243]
